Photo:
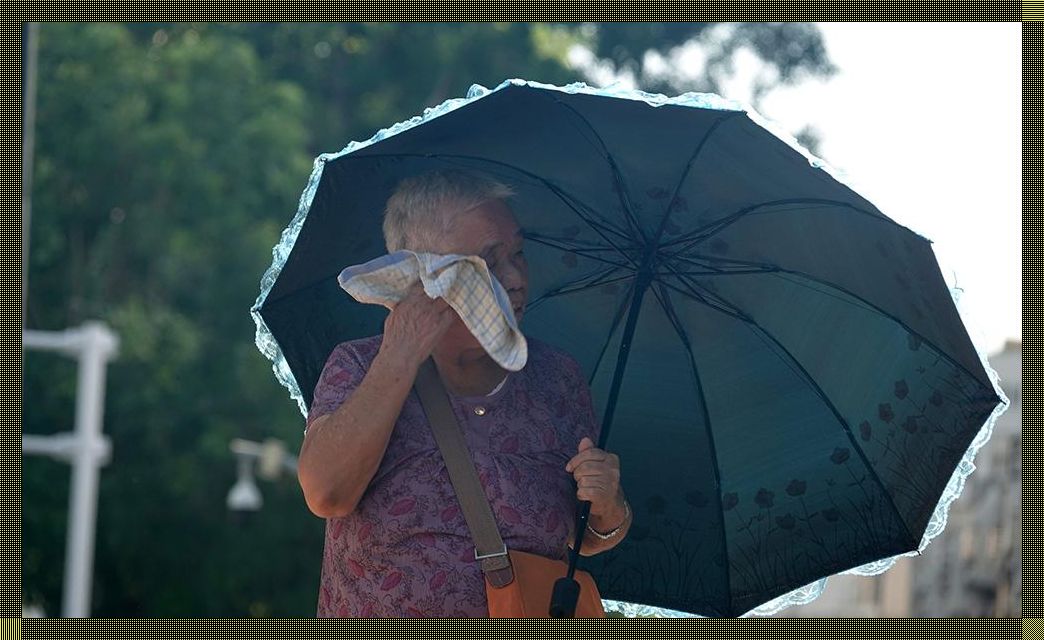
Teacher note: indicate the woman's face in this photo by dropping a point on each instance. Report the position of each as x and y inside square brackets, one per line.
[491, 232]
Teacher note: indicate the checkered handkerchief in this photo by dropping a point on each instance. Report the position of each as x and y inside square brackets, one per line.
[464, 282]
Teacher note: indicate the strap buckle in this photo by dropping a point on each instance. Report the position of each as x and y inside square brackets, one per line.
[503, 552]
[496, 567]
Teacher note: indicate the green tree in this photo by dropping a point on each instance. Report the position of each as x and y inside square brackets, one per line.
[363, 76]
[788, 51]
[165, 171]
[168, 159]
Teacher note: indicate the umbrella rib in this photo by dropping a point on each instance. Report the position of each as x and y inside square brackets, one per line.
[562, 194]
[694, 232]
[625, 201]
[791, 361]
[580, 284]
[562, 245]
[699, 235]
[617, 318]
[665, 303]
[737, 272]
[800, 275]
[573, 242]
[688, 167]
[601, 224]
[692, 260]
[696, 296]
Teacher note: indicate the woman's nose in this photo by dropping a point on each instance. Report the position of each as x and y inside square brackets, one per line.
[511, 277]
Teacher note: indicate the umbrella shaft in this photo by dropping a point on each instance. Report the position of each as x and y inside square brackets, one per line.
[582, 514]
[641, 284]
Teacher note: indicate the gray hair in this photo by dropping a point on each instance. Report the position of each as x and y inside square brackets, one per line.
[423, 207]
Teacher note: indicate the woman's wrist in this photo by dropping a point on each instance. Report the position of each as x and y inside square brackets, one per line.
[610, 525]
[402, 361]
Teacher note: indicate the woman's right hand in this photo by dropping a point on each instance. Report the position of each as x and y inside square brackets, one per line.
[415, 326]
[343, 450]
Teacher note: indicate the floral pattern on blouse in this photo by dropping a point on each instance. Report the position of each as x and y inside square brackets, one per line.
[406, 550]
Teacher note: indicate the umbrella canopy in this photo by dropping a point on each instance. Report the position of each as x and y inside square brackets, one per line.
[779, 365]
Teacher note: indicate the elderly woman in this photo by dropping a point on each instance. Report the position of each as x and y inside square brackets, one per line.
[396, 542]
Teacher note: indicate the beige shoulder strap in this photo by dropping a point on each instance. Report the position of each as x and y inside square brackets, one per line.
[489, 546]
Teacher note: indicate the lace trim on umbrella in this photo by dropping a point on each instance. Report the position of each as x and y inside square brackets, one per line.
[268, 346]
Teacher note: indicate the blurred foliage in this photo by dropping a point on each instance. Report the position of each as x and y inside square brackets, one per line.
[790, 52]
[168, 159]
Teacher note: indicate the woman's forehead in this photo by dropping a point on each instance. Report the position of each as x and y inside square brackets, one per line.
[485, 227]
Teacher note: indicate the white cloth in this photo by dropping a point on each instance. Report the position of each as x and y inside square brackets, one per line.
[464, 282]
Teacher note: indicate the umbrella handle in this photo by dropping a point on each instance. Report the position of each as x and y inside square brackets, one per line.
[567, 590]
[564, 598]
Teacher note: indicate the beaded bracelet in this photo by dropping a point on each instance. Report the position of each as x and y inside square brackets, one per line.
[612, 533]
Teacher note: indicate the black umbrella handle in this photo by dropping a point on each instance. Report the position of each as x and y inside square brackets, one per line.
[566, 592]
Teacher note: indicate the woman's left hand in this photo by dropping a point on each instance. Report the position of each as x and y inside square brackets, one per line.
[597, 475]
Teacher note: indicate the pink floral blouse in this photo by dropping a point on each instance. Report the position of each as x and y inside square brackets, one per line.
[406, 550]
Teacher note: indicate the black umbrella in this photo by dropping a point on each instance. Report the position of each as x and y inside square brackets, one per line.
[779, 365]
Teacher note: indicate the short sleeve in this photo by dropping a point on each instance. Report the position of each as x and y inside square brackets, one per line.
[586, 424]
[341, 375]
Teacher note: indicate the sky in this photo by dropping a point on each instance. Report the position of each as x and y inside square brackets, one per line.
[925, 120]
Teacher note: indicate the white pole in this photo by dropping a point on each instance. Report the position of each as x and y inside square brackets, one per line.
[68, 342]
[99, 344]
[30, 35]
[63, 447]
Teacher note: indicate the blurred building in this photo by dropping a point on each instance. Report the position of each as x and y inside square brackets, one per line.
[974, 568]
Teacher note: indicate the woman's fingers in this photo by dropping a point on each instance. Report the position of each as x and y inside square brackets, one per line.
[593, 471]
[592, 482]
[592, 455]
[597, 475]
[595, 493]
[445, 320]
[417, 323]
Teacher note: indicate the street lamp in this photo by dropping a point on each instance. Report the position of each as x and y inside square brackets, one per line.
[272, 461]
[244, 495]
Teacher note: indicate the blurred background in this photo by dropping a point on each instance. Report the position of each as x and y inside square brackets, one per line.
[162, 162]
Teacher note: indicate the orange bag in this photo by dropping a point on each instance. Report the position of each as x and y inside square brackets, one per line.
[524, 581]
[528, 595]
